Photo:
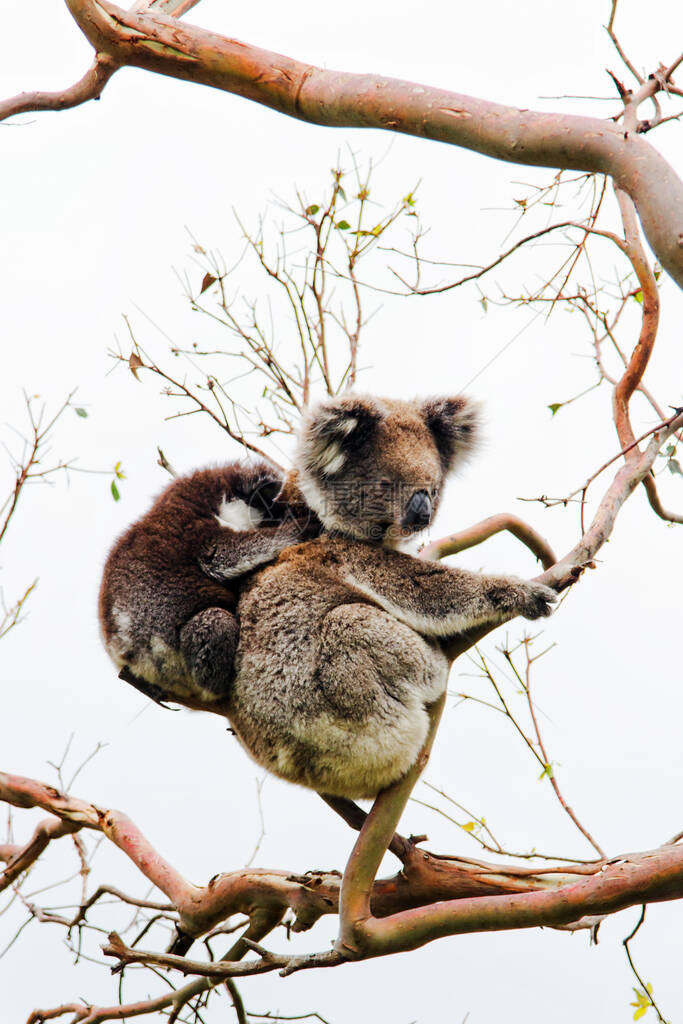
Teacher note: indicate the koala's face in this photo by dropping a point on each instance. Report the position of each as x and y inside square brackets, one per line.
[374, 468]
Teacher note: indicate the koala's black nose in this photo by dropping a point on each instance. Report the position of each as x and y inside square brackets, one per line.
[418, 510]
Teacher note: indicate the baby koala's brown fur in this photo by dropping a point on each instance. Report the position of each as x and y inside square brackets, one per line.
[339, 653]
[170, 584]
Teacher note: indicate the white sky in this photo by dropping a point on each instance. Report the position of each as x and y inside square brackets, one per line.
[94, 208]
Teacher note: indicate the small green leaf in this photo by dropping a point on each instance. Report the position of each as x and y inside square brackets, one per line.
[484, 303]
[675, 467]
[639, 296]
[547, 770]
[312, 210]
[343, 225]
[118, 472]
[81, 412]
[469, 826]
[555, 406]
[115, 491]
[342, 193]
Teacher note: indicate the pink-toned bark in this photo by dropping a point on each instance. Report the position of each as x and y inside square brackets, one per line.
[155, 41]
[20, 858]
[487, 528]
[340, 99]
[89, 87]
[430, 897]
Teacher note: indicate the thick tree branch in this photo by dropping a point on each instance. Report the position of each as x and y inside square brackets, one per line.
[621, 883]
[339, 99]
[425, 877]
[432, 896]
[372, 843]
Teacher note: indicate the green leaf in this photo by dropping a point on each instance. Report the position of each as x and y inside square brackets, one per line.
[555, 406]
[81, 412]
[118, 472]
[342, 193]
[343, 225]
[639, 296]
[675, 467]
[115, 491]
[469, 826]
[312, 210]
[547, 770]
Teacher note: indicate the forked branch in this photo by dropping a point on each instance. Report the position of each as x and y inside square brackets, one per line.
[156, 42]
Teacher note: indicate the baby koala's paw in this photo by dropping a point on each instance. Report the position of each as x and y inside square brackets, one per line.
[536, 599]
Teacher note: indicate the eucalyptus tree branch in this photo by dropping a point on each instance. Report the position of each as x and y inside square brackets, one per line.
[89, 87]
[488, 528]
[158, 43]
[432, 895]
[20, 858]
[620, 883]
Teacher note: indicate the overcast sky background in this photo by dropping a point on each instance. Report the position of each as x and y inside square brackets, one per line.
[95, 208]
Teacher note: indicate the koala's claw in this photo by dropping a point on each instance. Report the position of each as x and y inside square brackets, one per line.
[536, 600]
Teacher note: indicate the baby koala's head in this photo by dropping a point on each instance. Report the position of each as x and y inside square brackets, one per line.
[374, 468]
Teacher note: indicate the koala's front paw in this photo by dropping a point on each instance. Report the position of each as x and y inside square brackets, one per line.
[536, 599]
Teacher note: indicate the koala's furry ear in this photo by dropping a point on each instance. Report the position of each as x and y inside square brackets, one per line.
[454, 423]
[334, 430]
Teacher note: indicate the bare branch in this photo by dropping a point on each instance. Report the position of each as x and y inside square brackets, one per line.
[617, 44]
[89, 87]
[488, 528]
[548, 768]
[645, 995]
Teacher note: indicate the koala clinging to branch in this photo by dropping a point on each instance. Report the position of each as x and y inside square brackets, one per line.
[170, 584]
[339, 652]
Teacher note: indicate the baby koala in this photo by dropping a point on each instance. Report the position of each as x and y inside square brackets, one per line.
[340, 652]
[170, 584]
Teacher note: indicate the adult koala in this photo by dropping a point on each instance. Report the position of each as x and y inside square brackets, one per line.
[339, 650]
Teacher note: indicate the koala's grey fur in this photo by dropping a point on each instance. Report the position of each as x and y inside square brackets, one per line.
[339, 651]
[170, 583]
